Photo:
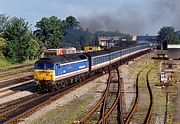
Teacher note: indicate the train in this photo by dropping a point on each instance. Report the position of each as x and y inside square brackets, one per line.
[55, 72]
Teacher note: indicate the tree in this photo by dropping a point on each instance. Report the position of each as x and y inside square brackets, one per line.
[173, 39]
[166, 35]
[74, 35]
[76, 38]
[19, 40]
[50, 32]
[3, 20]
[2, 43]
[71, 23]
[34, 49]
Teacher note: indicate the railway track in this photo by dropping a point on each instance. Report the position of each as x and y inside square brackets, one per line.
[15, 81]
[14, 111]
[24, 87]
[137, 102]
[109, 106]
[16, 67]
[4, 74]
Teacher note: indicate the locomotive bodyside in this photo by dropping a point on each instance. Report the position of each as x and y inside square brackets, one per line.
[71, 69]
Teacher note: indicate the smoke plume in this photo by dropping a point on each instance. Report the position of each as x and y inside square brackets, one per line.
[131, 19]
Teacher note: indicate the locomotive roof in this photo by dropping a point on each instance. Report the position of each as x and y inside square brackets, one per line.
[62, 58]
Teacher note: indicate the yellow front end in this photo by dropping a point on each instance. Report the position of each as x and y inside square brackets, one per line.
[44, 75]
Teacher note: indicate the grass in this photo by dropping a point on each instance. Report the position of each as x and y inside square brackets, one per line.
[4, 63]
[160, 98]
[144, 94]
[158, 95]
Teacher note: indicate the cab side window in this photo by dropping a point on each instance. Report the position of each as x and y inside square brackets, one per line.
[57, 66]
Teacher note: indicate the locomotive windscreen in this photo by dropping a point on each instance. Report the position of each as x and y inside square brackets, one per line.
[44, 66]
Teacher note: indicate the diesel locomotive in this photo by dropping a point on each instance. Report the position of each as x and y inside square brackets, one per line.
[59, 71]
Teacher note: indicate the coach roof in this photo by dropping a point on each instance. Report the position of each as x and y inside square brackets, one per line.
[108, 51]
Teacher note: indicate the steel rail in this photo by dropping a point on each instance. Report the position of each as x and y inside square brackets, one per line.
[149, 114]
[115, 103]
[98, 104]
[129, 116]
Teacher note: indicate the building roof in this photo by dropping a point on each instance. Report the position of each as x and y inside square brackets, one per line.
[173, 46]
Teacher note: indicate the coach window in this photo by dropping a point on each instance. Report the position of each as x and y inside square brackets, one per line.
[94, 61]
[100, 58]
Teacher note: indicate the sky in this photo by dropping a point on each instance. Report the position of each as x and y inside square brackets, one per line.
[128, 16]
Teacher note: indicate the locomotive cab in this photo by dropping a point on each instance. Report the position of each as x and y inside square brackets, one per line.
[43, 71]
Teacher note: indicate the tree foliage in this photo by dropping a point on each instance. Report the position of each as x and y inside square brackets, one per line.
[2, 43]
[166, 35]
[3, 20]
[50, 32]
[177, 34]
[77, 38]
[34, 49]
[71, 23]
[19, 40]
[74, 35]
